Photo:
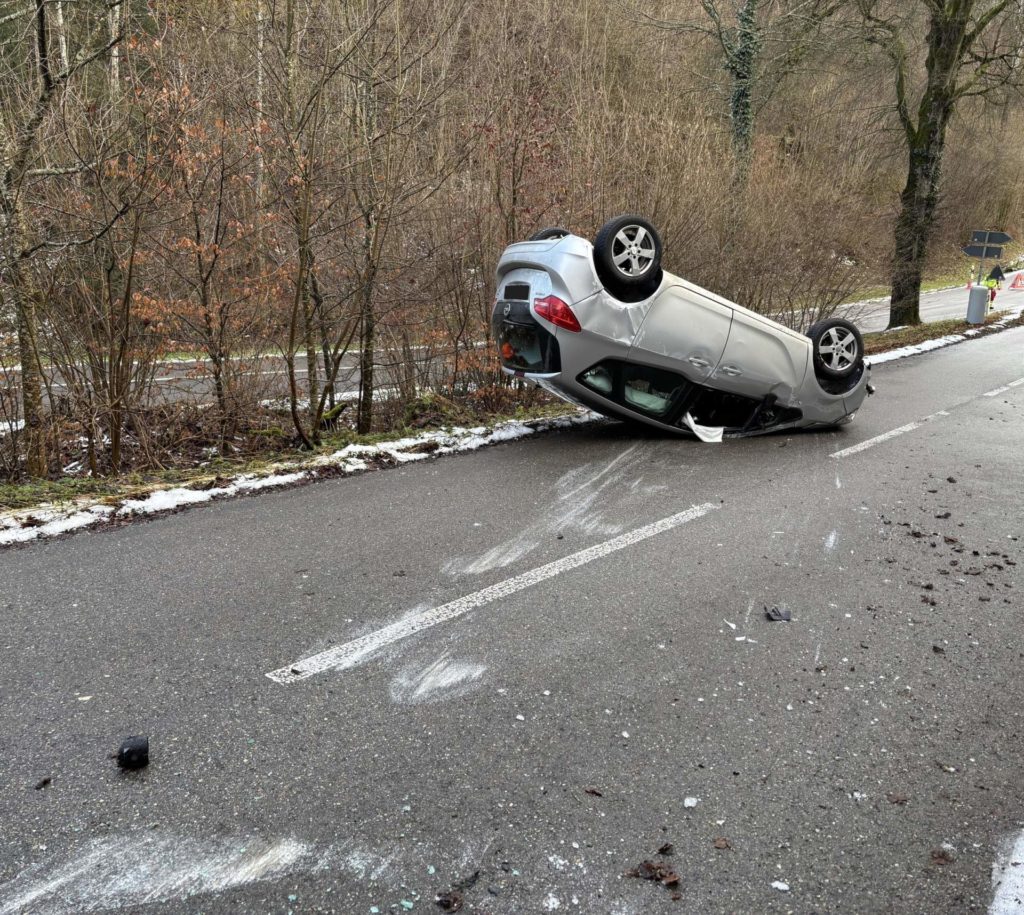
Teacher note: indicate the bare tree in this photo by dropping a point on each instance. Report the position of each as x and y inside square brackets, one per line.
[761, 43]
[971, 48]
[19, 144]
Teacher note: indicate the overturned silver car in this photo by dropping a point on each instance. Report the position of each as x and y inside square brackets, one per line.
[603, 326]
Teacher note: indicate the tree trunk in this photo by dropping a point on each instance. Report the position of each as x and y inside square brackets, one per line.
[23, 297]
[367, 339]
[926, 142]
[913, 230]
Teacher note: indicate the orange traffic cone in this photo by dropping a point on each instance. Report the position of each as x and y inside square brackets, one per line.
[1018, 281]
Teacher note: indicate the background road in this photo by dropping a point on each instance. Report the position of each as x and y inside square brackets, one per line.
[613, 693]
[189, 380]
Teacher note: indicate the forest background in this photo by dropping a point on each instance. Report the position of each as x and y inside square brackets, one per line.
[293, 208]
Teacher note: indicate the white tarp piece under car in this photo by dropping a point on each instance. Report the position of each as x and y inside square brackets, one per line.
[704, 433]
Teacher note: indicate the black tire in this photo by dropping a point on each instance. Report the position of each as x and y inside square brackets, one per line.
[627, 254]
[549, 233]
[838, 349]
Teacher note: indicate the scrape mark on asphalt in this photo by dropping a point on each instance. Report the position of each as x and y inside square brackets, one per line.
[1008, 878]
[132, 870]
[443, 677]
[343, 657]
[578, 492]
[831, 540]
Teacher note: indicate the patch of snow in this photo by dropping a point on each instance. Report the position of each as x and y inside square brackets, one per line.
[164, 500]
[54, 524]
[1008, 878]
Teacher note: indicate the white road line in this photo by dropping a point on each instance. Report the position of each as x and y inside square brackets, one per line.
[342, 657]
[1004, 388]
[885, 436]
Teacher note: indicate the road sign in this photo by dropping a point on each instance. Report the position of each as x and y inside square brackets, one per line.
[984, 237]
[986, 252]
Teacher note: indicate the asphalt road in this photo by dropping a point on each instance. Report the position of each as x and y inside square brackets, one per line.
[599, 679]
[941, 305]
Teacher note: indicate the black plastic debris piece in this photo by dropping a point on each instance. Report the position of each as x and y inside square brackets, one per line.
[595, 792]
[666, 849]
[777, 615]
[43, 783]
[450, 901]
[133, 753]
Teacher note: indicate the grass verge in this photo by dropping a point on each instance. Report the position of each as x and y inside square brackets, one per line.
[884, 340]
[113, 489]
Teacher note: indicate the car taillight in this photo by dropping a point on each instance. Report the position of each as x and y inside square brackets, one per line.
[553, 309]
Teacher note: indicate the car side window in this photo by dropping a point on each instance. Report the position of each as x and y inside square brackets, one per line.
[650, 390]
[639, 387]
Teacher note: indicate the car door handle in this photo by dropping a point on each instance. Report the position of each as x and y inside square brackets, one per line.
[697, 361]
[730, 370]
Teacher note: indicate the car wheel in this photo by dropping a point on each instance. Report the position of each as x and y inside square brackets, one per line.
[550, 233]
[627, 254]
[838, 348]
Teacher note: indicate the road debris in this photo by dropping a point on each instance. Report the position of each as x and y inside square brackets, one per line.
[942, 856]
[689, 802]
[666, 849]
[450, 901]
[43, 783]
[133, 753]
[593, 791]
[777, 614]
[721, 843]
[654, 870]
[780, 886]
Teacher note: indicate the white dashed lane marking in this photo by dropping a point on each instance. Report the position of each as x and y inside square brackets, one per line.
[885, 436]
[1004, 388]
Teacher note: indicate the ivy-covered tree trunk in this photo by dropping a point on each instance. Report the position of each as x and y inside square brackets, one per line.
[741, 62]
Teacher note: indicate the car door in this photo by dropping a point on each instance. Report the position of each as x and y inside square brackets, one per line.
[761, 357]
[683, 331]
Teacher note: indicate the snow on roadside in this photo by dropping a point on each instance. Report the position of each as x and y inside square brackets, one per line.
[939, 342]
[52, 520]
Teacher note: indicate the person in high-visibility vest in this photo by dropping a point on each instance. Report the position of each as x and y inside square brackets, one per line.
[992, 284]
